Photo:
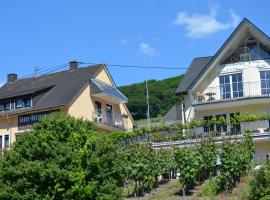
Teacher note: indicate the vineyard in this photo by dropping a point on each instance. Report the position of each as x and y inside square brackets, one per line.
[66, 158]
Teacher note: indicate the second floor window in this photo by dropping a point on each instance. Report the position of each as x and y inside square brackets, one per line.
[25, 102]
[19, 103]
[265, 82]
[237, 85]
[231, 86]
[5, 106]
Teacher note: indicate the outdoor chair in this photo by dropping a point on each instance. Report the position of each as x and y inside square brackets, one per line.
[200, 96]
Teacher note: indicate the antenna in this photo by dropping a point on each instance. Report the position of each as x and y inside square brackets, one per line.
[36, 70]
[147, 94]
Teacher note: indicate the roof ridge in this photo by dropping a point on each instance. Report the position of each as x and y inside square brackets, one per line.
[54, 73]
[202, 57]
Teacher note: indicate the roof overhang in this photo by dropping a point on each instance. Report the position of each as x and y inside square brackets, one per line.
[243, 29]
[106, 92]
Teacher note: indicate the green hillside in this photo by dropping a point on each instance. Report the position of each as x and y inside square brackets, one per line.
[161, 97]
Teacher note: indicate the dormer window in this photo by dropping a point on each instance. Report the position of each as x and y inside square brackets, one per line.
[19, 103]
[25, 102]
[2, 107]
[7, 105]
[28, 102]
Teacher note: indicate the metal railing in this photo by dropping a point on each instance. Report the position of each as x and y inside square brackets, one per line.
[257, 128]
[232, 92]
[246, 54]
[103, 116]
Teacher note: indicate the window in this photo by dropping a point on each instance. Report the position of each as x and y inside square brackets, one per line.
[231, 86]
[26, 121]
[221, 127]
[208, 128]
[237, 85]
[27, 102]
[19, 103]
[265, 82]
[2, 107]
[98, 106]
[225, 87]
[235, 128]
[6, 142]
[7, 105]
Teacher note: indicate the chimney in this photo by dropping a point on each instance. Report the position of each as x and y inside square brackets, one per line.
[73, 65]
[11, 77]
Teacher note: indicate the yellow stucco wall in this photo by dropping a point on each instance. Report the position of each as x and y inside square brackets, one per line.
[102, 76]
[84, 105]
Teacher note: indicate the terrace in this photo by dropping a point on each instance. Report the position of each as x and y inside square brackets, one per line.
[232, 91]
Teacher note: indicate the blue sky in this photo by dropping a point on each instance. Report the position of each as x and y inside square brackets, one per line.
[169, 33]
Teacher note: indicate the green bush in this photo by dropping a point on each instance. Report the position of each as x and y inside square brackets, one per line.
[61, 158]
[260, 186]
[211, 187]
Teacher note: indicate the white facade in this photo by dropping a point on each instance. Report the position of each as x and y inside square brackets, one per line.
[236, 81]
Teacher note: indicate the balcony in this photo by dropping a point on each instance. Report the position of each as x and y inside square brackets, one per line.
[247, 54]
[232, 93]
[108, 120]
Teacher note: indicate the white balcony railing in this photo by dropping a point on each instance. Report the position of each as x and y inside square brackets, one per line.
[232, 92]
[103, 116]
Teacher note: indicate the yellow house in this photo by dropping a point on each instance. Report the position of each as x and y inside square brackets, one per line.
[236, 80]
[87, 92]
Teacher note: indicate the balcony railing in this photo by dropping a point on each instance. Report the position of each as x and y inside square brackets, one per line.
[246, 54]
[232, 92]
[106, 117]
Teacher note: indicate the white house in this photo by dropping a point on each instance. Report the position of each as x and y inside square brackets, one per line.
[235, 80]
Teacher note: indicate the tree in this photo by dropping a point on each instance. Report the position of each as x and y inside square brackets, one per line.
[61, 158]
[159, 92]
[140, 162]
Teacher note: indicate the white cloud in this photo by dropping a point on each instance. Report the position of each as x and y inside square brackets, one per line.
[124, 41]
[146, 49]
[199, 25]
[235, 18]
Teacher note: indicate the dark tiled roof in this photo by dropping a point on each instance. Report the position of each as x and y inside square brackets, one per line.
[194, 69]
[174, 114]
[51, 90]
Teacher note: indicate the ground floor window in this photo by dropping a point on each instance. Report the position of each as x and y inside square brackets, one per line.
[4, 142]
[208, 128]
[235, 128]
[219, 127]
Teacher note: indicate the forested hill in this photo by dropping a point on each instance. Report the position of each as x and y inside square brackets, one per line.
[161, 97]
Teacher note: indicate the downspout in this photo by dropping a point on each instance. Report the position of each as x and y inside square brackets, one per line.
[10, 133]
[183, 108]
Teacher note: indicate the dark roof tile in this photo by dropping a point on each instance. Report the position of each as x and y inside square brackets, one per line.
[60, 88]
[194, 69]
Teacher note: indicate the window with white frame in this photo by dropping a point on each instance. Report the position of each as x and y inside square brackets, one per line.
[4, 142]
[265, 82]
[237, 85]
[231, 86]
[225, 87]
